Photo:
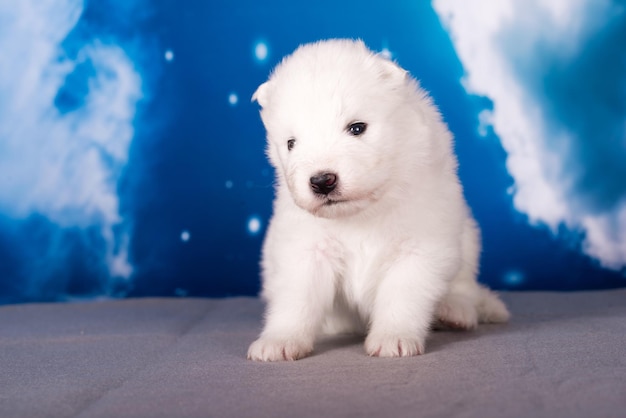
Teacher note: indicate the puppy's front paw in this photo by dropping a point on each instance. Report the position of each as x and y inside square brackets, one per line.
[269, 349]
[377, 345]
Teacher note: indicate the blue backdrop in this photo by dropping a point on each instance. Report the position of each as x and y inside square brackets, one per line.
[132, 161]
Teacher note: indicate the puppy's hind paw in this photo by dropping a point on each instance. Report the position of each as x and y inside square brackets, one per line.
[267, 349]
[454, 312]
[393, 346]
[491, 309]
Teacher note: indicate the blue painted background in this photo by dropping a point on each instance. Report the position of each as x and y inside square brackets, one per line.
[132, 161]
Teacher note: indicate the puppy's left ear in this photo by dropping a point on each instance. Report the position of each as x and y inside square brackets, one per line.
[261, 95]
[389, 70]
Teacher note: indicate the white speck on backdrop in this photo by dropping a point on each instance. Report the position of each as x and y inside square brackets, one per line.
[254, 225]
[261, 51]
[514, 278]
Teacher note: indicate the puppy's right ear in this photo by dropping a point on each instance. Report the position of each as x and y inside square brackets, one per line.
[261, 95]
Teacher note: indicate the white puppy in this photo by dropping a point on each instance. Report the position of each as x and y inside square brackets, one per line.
[371, 232]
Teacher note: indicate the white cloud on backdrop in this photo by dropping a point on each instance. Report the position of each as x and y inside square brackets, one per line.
[63, 164]
[556, 74]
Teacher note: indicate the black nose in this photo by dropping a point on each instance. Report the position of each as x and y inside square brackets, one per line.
[323, 183]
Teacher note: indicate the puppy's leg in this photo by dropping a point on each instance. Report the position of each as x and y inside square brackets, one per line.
[404, 306]
[467, 303]
[298, 296]
[457, 309]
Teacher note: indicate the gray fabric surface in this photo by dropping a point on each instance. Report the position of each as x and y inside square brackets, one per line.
[563, 355]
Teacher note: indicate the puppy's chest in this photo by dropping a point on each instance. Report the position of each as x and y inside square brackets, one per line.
[362, 265]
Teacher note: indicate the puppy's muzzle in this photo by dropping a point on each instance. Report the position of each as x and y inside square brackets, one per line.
[323, 183]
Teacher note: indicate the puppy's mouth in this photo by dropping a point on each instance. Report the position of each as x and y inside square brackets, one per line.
[339, 206]
[328, 207]
[332, 202]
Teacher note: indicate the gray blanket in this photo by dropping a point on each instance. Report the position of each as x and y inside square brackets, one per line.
[562, 355]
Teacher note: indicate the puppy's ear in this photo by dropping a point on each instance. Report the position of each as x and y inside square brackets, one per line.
[389, 70]
[261, 95]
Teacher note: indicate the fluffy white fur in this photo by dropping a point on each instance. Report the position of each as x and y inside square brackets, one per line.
[393, 248]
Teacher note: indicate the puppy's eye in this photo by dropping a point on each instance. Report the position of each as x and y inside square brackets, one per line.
[291, 143]
[357, 128]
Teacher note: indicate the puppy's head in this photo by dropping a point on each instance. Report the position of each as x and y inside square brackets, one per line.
[333, 113]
